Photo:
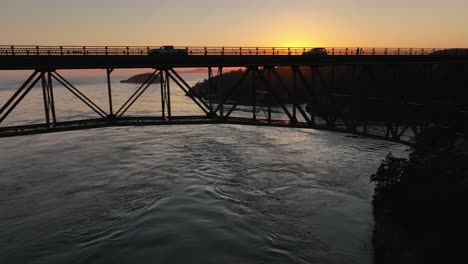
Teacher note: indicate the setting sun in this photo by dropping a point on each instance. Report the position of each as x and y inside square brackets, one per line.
[297, 43]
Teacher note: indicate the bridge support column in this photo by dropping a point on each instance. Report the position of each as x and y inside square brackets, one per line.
[163, 95]
[48, 98]
[268, 88]
[294, 93]
[220, 92]
[328, 106]
[166, 95]
[312, 98]
[215, 92]
[254, 93]
[210, 88]
[109, 92]
[351, 123]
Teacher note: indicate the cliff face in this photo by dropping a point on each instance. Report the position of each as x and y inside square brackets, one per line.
[421, 218]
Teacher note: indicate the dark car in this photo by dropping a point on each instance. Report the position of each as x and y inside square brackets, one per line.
[168, 50]
[315, 52]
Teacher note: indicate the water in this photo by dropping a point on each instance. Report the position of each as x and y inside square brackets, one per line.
[183, 194]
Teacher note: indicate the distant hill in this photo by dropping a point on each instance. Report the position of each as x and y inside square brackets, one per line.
[140, 78]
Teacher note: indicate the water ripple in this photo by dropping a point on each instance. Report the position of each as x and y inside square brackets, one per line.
[204, 194]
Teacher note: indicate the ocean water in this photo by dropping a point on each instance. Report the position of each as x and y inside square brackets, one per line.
[180, 194]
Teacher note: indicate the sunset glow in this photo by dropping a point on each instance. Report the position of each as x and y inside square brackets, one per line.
[265, 23]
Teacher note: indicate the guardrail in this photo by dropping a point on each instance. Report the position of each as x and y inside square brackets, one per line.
[227, 51]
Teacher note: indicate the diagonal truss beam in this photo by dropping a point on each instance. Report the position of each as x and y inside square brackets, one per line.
[78, 94]
[181, 86]
[275, 96]
[295, 104]
[134, 97]
[187, 89]
[19, 95]
[232, 90]
[254, 91]
[312, 95]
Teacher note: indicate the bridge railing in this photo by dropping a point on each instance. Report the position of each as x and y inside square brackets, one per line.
[222, 51]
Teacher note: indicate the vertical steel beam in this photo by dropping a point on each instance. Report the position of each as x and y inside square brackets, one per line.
[428, 83]
[254, 93]
[312, 97]
[210, 88]
[51, 99]
[163, 95]
[268, 84]
[168, 95]
[457, 82]
[45, 96]
[331, 114]
[220, 92]
[397, 102]
[352, 124]
[109, 91]
[294, 93]
[331, 90]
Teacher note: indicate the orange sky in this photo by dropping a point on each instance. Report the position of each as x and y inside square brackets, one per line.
[332, 23]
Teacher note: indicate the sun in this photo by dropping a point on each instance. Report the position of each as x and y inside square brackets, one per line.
[297, 43]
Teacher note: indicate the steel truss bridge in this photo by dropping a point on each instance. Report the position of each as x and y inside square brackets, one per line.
[391, 94]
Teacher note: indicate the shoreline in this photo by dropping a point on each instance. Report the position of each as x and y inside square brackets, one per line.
[419, 218]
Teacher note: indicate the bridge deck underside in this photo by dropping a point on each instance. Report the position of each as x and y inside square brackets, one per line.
[21, 62]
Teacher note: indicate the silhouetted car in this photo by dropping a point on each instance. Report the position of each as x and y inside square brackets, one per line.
[168, 50]
[450, 52]
[316, 52]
